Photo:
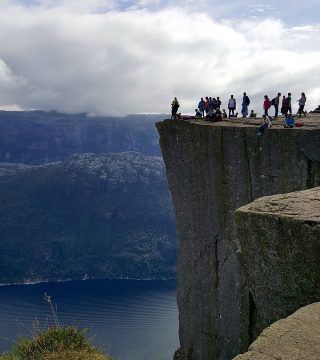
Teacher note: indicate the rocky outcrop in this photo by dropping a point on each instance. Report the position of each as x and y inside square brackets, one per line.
[280, 253]
[296, 337]
[213, 169]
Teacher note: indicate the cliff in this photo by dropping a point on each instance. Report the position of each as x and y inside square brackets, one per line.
[212, 170]
[280, 254]
[296, 337]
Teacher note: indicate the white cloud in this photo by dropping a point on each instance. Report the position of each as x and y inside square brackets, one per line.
[68, 56]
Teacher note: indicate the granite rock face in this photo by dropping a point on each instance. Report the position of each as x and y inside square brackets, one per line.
[212, 170]
[296, 337]
[280, 253]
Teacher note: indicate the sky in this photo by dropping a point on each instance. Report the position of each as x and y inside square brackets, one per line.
[133, 56]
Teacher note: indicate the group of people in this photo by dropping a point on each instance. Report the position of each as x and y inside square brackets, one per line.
[210, 107]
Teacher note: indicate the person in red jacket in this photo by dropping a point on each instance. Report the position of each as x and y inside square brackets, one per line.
[266, 105]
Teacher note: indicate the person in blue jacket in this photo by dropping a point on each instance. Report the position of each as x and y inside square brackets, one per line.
[289, 121]
[202, 106]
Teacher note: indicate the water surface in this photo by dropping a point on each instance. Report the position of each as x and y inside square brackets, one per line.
[131, 320]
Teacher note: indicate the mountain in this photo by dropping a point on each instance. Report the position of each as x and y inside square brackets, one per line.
[35, 137]
[89, 216]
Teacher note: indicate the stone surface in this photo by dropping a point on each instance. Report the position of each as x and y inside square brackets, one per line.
[296, 337]
[280, 253]
[212, 170]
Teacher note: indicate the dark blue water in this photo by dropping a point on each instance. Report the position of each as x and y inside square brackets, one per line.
[131, 320]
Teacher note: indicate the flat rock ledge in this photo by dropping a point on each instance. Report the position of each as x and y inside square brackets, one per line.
[299, 205]
[295, 338]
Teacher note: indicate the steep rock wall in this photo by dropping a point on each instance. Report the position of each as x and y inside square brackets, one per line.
[280, 253]
[212, 170]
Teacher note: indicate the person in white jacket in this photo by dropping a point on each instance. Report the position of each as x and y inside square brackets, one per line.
[232, 105]
[302, 102]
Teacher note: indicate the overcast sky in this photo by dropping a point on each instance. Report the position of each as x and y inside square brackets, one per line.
[120, 57]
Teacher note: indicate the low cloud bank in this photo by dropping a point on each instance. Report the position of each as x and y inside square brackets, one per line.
[118, 62]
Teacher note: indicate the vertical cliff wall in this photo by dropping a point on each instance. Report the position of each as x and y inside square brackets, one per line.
[279, 237]
[212, 170]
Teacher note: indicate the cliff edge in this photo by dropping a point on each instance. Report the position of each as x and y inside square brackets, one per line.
[212, 170]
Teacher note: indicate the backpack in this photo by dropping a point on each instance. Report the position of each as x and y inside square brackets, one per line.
[248, 100]
[273, 101]
[268, 104]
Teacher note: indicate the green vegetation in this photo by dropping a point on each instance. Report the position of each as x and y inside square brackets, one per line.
[55, 343]
[91, 216]
[66, 343]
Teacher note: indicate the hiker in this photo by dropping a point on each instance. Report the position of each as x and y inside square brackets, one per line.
[232, 105]
[210, 103]
[302, 102]
[289, 103]
[217, 103]
[174, 108]
[253, 114]
[211, 115]
[224, 114]
[284, 107]
[218, 116]
[201, 106]
[206, 106]
[266, 105]
[266, 120]
[289, 121]
[245, 104]
[266, 123]
[275, 102]
[198, 113]
[262, 129]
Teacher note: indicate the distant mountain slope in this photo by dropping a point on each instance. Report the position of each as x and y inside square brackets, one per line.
[37, 137]
[99, 216]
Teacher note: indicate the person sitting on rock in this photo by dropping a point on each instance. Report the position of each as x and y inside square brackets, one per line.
[262, 129]
[253, 114]
[179, 116]
[218, 116]
[198, 113]
[266, 119]
[211, 115]
[289, 121]
[224, 114]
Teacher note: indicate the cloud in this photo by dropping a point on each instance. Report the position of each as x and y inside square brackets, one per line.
[74, 58]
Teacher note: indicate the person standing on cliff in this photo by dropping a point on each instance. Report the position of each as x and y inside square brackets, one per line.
[276, 102]
[302, 102]
[232, 105]
[245, 104]
[266, 105]
[284, 107]
[289, 103]
[174, 108]
[202, 106]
